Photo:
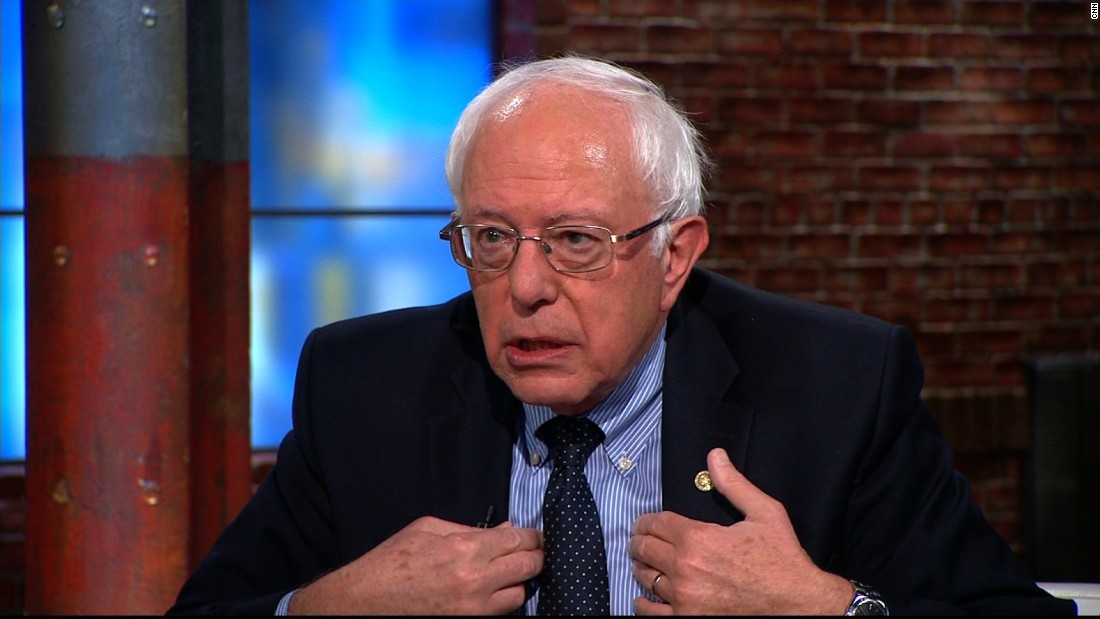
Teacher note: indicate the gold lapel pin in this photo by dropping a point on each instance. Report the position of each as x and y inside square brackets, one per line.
[702, 481]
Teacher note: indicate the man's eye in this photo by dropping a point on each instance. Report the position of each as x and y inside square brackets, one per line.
[493, 236]
[577, 239]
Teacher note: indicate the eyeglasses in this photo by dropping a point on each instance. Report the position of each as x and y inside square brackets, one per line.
[568, 249]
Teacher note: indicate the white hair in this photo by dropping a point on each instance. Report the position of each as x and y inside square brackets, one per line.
[668, 149]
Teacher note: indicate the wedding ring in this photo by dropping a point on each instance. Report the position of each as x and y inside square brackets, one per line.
[653, 587]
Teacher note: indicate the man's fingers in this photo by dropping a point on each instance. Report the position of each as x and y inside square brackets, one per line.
[752, 501]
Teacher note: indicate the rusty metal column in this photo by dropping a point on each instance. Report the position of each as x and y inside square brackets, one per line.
[112, 328]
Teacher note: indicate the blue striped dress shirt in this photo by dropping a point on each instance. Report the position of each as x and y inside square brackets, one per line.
[624, 472]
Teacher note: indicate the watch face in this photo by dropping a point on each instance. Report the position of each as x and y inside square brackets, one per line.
[865, 606]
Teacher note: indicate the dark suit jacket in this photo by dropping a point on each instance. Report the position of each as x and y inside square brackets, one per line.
[398, 415]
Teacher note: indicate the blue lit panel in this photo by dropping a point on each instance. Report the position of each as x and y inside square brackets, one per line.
[14, 391]
[352, 105]
[353, 102]
[312, 271]
[13, 397]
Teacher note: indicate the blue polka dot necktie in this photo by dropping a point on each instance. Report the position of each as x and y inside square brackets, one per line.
[574, 576]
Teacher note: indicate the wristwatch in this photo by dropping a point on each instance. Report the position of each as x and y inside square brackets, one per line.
[866, 601]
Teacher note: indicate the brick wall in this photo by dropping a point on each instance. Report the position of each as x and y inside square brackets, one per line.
[935, 164]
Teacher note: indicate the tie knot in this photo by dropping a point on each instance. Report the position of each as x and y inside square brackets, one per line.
[572, 439]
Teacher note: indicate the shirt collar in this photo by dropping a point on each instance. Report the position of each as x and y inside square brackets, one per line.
[626, 416]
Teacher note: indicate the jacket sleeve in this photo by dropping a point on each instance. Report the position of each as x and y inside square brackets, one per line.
[913, 531]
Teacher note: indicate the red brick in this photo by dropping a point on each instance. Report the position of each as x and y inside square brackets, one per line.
[1022, 112]
[709, 74]
[786, 144]
[956, 309]
[1084, 304]
[750, 109]
[991, 79]
[925, 78]
[854, 279]
[877, 44]
[959, 178]
[820, 111]
[923, 144]
[752, 178]
[1053, 339]
[991, 145]
[728, 145]
[1079, 49]
[817, 43]
[787, 210]
[987, 14]
[766, 43]
[1021, 177]
[854, 144]
[1058, 80]
[747, 214]
[854, 213]
[820, 210]
[821, 245]
[812, 179]
[959, 212]
[1030, 47]
[1056, 144]
[957, 244]
[923, 212]
[990, 341]
[889, 112]
[1019, 306]
[785, 10]
[788, 77]
[754, 246]
[557, 11]
[925, 12]
[636, 8]
[991, 211]
[985, 276]
[958, 45]
[896, 178]
[598, 38]
[1080, 177]
[714, 12]
[1080, 113]
[1054, 15]
[898, 308]
[1022, 211]
[958, 112]
[935, 344]
[855, 76]
[783, 279]
[889, 213]
[671, 39]
[860, 11]
[887, 245]
[1087, 211]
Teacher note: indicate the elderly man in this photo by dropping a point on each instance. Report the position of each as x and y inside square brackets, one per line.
[599, 426]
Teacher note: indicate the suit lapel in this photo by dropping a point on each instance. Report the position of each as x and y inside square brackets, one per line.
[470, 439]
[697, 415]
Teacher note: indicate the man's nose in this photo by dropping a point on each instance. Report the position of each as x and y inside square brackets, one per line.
[531, 278]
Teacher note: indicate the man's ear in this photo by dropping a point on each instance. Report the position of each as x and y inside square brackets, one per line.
[689, 239]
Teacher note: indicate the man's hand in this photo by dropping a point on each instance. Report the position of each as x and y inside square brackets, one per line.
[431, 567]
[756, 566]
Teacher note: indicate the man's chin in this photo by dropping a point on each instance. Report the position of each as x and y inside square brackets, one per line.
[556, 396]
